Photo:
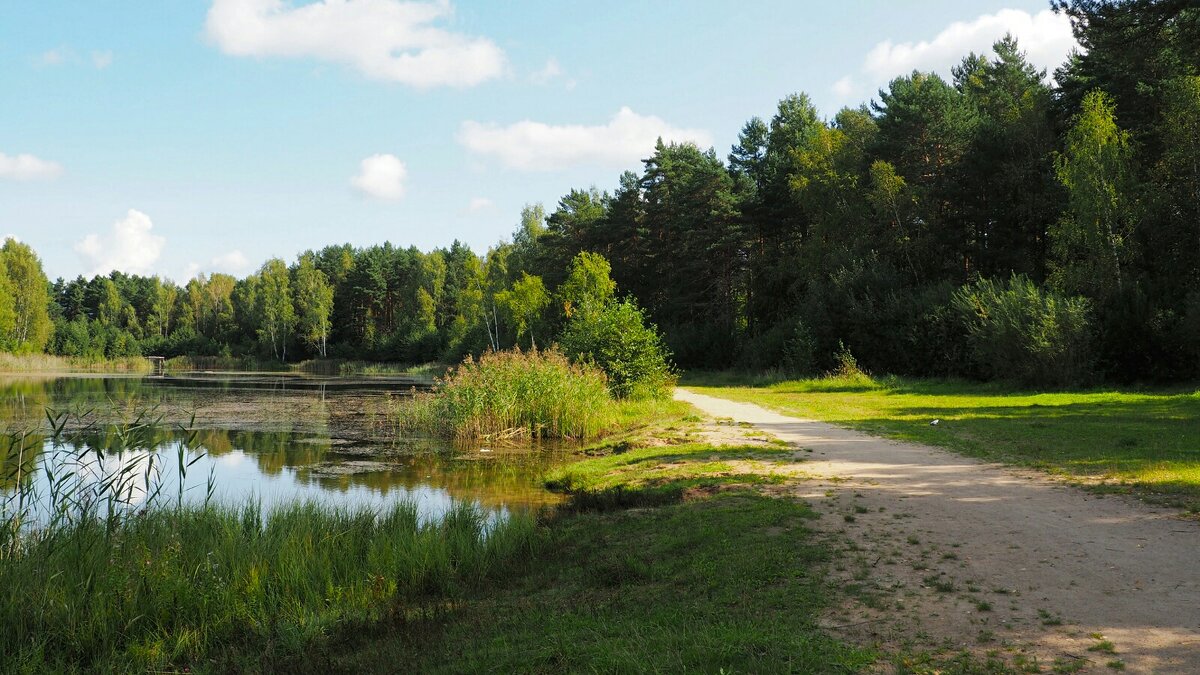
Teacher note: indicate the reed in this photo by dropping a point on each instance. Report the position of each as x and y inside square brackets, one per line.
[105, 575]
[513, 394]
[48, 363]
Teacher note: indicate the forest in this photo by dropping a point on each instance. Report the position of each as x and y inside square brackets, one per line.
[1007, 223]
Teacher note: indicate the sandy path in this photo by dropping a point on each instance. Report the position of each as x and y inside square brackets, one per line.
[1034, 549]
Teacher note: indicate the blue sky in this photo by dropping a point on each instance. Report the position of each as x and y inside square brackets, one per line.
[185, 136]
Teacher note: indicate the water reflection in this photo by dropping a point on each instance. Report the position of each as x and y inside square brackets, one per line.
[312, 443]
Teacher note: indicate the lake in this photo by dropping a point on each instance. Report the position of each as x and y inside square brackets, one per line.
[268, 437]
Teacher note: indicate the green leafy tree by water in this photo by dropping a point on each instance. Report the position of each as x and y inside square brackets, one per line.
[589, 286]
[31, 325]
[276, 314]
[314, 304]
[525, 304]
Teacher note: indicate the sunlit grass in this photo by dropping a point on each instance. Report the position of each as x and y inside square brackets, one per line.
[1144, 440]
[663, 559]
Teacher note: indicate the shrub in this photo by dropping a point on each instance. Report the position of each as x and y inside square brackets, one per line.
[1019, 332]
[617, 338]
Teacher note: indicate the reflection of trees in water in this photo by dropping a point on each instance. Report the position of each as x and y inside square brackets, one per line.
[499, 481]
[289, 430]
[275, 450]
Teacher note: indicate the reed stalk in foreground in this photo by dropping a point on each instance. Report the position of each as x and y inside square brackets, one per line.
[112, 577]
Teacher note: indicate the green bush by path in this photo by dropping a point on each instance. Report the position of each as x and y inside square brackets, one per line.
[235, 589]
[1019, 332]
[1146, 442]
[618, 338]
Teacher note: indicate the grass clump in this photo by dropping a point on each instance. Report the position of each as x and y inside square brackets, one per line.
[514, 394]
[235, 588]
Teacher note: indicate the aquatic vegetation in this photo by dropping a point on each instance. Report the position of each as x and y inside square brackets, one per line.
[514, 394]
[117, 576]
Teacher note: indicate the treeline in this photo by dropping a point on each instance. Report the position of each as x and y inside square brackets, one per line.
[994, 225]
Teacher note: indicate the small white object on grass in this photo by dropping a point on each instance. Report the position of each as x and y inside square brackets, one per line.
[484, 450]
[935, 423]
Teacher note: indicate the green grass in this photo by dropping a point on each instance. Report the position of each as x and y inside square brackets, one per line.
[663, 560]
[224, 589]
[1141, 441]
[668, 470]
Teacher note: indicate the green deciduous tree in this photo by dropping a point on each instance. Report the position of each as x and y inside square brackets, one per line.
[313, 303]
[31, 327]
[1092, 241]
[276, 314]
[525, 303]
[589, 285]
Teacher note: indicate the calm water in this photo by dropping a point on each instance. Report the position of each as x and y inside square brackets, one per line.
[271, 438]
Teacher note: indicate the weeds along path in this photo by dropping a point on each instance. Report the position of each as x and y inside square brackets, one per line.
[985, 558]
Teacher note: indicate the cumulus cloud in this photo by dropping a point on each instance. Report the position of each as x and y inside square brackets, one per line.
[102, 60]
[54, 57]
[478, 204]
[536, 146]
[382, 177]
[845, 87]
[1045, 37]
[234, 262]
[383, 39]
[28, 167]
[548, 72]
[130, 246]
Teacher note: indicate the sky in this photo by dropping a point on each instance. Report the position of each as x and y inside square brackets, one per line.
[179, 137]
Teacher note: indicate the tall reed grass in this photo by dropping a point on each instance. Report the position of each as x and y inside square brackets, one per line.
[168, 588]
[513, 394]
[48, 363]
[105, 575]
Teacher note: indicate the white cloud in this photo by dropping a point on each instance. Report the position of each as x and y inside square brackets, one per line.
[478, 204]
[28, 167]
[845, 88]
[234, 263]
[1045, 37]
[102, 60]
[548, 72]
[130, 247]
[382, 177]
[627, 138]
[383, 39]
[56, 56]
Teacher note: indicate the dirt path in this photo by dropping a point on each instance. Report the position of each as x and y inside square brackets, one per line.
[950, 551]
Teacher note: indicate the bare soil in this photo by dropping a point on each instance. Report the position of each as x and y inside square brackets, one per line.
[941, 552]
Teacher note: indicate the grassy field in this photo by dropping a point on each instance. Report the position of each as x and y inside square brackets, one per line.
[1146, 442]
[664, 559]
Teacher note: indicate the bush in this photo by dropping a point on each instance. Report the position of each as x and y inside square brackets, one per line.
[1017, 331]
[513, 394]
[617, 338]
